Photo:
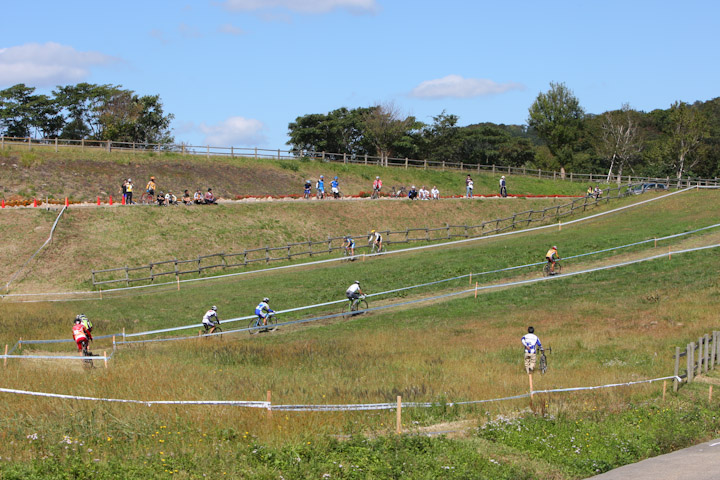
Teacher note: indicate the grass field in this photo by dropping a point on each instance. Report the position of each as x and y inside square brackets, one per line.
[611, 326]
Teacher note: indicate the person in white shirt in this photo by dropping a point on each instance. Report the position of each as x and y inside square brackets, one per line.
[435, 193]
[354, 292]
[211, 320]
[532, 344]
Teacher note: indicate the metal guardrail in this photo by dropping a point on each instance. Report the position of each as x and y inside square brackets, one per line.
[282, 154]
[269, 254]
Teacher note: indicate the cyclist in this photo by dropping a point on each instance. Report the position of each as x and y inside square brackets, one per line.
[551, 256]
[354, 293]
[375, 240]
[334, 187]
[80, 333]
[85, 321]
[320, 187]
[262, 311]
[377, 185]
[532, 344]
[150, 188]
[503, 189]
[308, 187]
[211, 320]
[128, 192]
[349, 245]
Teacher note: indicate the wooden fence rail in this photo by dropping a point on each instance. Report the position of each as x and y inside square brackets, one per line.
[209, 151]
[700, 357]
[289, 251]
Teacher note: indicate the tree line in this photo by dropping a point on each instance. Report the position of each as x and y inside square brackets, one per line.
[683, 140]
[84, 111]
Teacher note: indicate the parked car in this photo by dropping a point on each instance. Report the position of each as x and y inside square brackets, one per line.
[645, 187]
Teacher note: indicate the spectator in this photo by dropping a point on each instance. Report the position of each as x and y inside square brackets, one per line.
[335, 187]
[590, 191]
[129, 192]
[308, 188]
[424, 193]
[210, 198]
[412, 194]
[377, 185]
[161, 199]
[187, 199]
[597, 192]
[124, 188]
[435, 193]
[503, 190]
[320, 187]
[170, 199]
[469, 187]
[198, 198]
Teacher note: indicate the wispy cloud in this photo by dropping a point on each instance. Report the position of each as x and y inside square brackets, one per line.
[188, 31]
[455, 86]
[48, 64]
[159, 35]
[303, 6]
[230, 29]
[234, 131]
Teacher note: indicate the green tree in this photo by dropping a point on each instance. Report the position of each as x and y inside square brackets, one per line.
[339, 131]
[557, 117]
[688, 127]
[84, 104]
[388, 132]
[620, 142]
[16, 110]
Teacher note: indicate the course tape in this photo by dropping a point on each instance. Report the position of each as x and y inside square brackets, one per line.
[323, 408]
[340, 259]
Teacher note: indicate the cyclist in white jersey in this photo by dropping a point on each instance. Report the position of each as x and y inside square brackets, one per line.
[211, 320]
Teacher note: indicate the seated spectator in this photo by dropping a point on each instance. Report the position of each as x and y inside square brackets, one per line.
[210, 198]
[170, 199]
[412, 194]
[161, 199]
[590, 191]
[435, 193]
[198, 197]
[187, 199]
[597, 192]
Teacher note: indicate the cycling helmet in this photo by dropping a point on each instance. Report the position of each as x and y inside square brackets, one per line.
[372, 231]
[322, 176]
[335, 178]
[357, 281]
[78, 317]
[129, 180]
[554, 247]
[503, 176]
[214, 308]
[377, 178]
[266, 300]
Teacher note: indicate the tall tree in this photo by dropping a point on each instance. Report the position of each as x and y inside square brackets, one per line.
[387, 130]
[84, 104]
[620, 142]
[340, 131]
[557, 118]
[16, 110]
[688, 127]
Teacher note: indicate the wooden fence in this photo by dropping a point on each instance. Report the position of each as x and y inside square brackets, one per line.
[279, 154]
[699, 357]
[175, 267]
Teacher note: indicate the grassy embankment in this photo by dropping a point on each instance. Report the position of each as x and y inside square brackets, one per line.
[613, 326]
[85, 175]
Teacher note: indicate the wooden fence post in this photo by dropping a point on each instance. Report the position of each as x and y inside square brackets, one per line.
[105, 358]
[677, 369]
[398, 419]
[712, 350]
[269, 401]
[700, 356]
[706, 353]
[5, 359]
[690, 361]
[664, 389]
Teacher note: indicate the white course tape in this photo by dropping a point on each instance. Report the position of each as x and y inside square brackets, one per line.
[340, 259]
[321, 408]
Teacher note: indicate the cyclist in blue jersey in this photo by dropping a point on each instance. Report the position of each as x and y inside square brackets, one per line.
[532, 344]
[308, 187]
[349, 245]
[320, 187]
[334, 187]
[262, 311]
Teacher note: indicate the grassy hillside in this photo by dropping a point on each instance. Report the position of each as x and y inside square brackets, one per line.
[84, 175]
[612, 326]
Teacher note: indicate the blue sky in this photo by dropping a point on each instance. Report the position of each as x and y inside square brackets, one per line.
[236, 72]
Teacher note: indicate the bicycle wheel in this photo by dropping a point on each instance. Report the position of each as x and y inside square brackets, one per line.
[253, 324]
[271, 323]
[360, 306]
[558, 268]
[543, 363]
[218, 331]
[546, 270]
[86, 353]
[346, 311]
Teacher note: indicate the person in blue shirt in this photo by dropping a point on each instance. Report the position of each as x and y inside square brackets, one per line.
[262, 311]
[320, 187]
[334, 187]
[532, 344]
[349, 245]
[308, 187]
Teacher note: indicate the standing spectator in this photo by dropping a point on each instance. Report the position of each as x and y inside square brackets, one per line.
[198, 197]
[377, 185]
[532, 344]
[470, 186]
[124, 189]
[467, 185]
[210, 198]
[320, 188]
[335, 187]
[412, 194]
[503, 190]
[149, 190]
[435, 193]
[129, 192]
[308, 188]
[187, 199]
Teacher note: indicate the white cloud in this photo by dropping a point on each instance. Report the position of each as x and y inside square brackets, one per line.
[234, 131]
[303, 6]
[188, 31]
[48, 64]
[230, 29]
[455, 86]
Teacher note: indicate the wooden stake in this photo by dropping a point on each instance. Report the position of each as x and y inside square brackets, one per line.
[669, 253]
[101, 294]
[470, 279]
[656, 243]
[476, 284]
[105, 358]
[123, 334]
[710, 394]
[664, 389]
[269, 409]
[178, 283]
[5, 359]
[398, 421]
[531, 385]
[20, 343]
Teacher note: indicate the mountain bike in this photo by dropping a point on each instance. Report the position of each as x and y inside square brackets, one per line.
[348, 254]
[86, 353]
[546, 269]
[206, 330]
[256, 326]
[374, 246]
[375, 194]
[398, 192]
[355, 307]
[147, 199]
[542, 363]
